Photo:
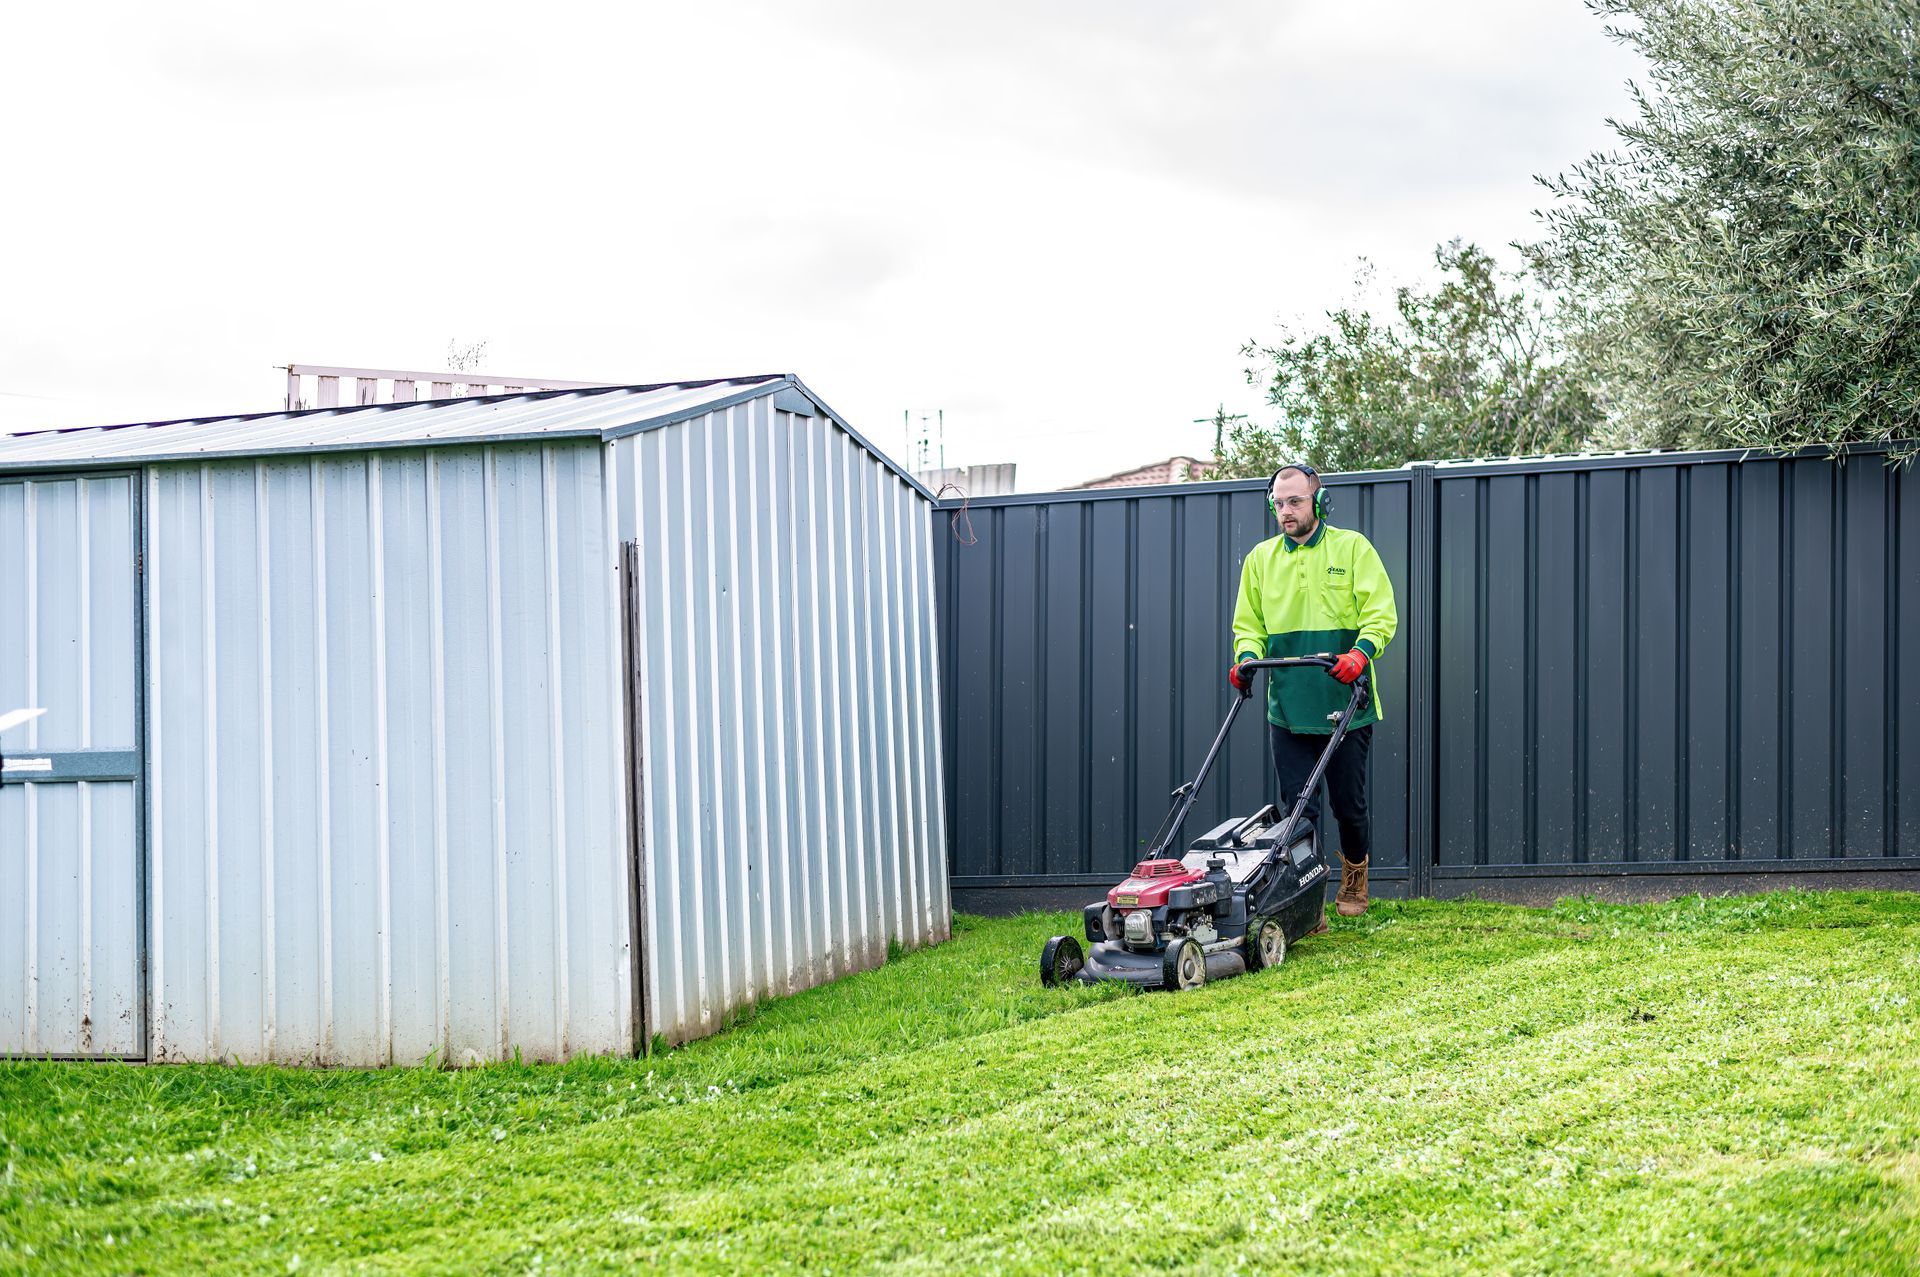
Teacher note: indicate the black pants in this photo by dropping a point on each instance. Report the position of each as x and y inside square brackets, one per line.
[1346, 783]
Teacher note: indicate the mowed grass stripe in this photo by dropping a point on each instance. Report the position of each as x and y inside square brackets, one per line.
[1384, 1099]
[1289, 1149]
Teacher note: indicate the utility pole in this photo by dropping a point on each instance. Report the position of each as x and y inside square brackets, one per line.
[1220, 420]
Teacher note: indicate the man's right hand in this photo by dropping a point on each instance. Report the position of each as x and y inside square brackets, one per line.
[1240, 679]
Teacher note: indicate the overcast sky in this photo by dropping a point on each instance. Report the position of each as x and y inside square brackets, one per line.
[1057, 221]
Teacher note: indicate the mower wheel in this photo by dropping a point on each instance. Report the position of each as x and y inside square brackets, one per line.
[1184, 966]
[1266, 944]
[1060, 961]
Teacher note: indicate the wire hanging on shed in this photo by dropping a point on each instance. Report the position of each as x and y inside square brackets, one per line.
[954, 519]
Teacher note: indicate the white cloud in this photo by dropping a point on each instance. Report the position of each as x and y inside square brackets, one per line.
[1055, 220]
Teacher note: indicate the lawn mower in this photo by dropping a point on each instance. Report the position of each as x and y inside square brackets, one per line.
[1234, 903]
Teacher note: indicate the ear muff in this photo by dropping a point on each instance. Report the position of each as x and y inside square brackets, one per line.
[1321, 502]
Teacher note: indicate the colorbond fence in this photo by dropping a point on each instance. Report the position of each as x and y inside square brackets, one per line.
[1607, 667]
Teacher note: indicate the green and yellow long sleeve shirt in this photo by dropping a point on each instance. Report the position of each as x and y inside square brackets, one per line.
[1329, 593]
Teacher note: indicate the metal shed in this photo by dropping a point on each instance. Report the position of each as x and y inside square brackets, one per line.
[542, 723]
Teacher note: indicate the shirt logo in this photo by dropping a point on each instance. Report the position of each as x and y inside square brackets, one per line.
[1336, 571]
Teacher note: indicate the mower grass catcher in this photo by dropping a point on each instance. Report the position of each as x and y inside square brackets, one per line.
[1233, 903]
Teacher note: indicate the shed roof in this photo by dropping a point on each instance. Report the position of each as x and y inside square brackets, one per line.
[602, 413]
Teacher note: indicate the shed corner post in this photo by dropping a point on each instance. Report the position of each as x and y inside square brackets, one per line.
[629, 594]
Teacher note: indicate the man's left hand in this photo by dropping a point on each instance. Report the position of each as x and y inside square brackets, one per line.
[1350, 666]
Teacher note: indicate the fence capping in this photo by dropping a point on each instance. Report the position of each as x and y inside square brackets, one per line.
[1462, 467]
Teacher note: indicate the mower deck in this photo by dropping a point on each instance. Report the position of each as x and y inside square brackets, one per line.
[1261, 883]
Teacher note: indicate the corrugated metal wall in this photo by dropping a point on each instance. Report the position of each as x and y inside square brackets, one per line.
[385, 758]
[789, 709]
[1086, 639]
[1646, 664]
[70, 979]
[1680, 661]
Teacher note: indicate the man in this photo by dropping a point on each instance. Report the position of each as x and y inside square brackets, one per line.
[1316, 588]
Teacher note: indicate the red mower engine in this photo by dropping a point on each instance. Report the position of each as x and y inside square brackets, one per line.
[1148, 885]
[1162, 898]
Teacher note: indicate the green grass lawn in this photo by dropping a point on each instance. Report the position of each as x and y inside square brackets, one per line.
[1728, 1085]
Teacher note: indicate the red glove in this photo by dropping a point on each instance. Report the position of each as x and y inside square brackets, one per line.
[1350, 666]
[1241, 680]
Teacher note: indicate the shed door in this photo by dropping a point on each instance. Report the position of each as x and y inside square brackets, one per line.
[69, 787]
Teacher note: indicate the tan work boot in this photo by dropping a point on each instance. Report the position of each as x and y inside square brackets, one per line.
[1351, 902]
[1320, 927]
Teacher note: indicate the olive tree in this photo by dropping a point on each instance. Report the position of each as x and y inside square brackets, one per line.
[1744, 267]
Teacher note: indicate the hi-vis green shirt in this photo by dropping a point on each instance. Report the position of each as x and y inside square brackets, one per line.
[1329, 594]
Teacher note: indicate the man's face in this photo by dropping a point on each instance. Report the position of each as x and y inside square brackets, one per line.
[1293, 498]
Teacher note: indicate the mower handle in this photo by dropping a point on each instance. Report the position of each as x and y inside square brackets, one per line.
[1324, 660]
[1319, 660]
[1185, 796]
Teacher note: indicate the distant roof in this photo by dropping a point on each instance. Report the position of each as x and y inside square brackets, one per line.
[602, 413]
[1172, 470]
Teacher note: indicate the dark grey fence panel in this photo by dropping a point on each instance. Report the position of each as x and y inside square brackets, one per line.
[1085, 640]
[1654, 664]
[1670, 661]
